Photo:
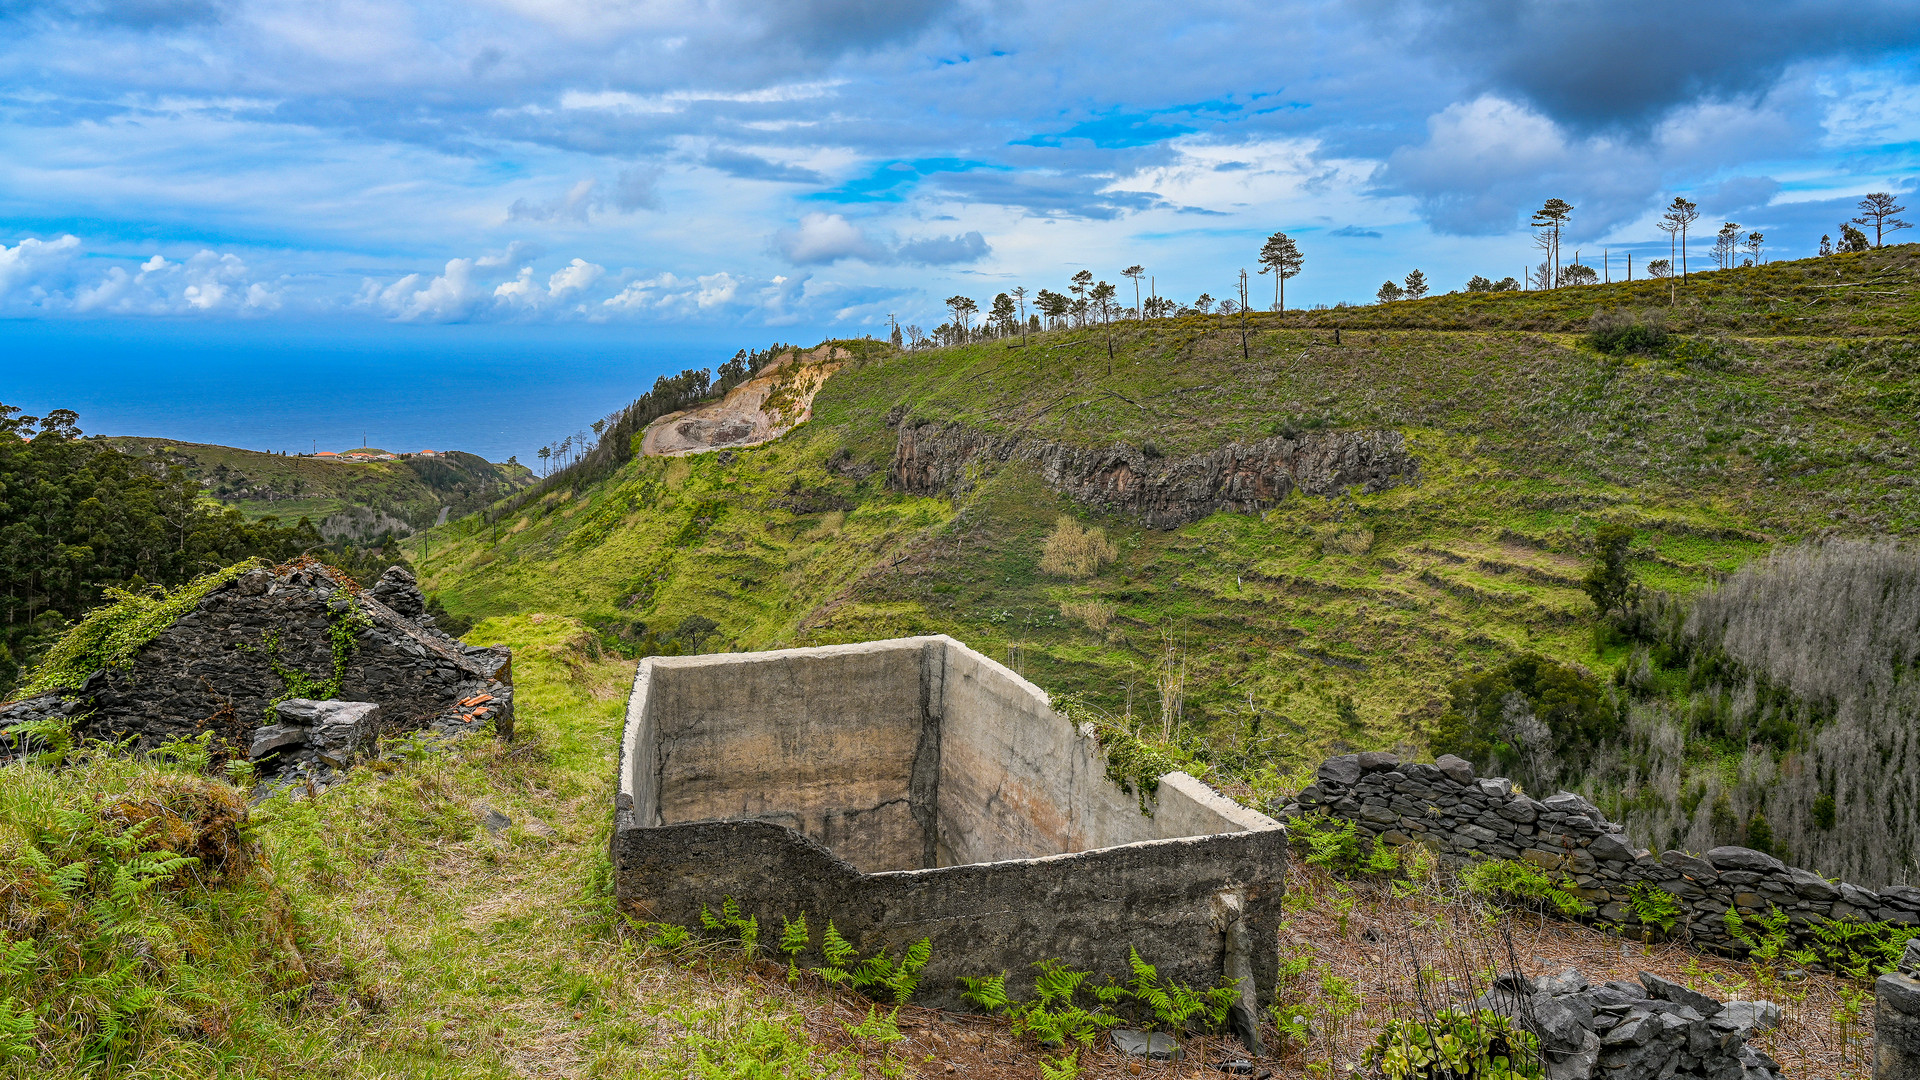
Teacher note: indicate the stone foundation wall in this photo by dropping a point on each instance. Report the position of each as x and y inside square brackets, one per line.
[1463, 817]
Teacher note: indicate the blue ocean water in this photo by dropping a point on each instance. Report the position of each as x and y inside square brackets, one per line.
[489, 390]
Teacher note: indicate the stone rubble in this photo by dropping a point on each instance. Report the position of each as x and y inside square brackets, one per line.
[1463, 817]
[1625, 1031]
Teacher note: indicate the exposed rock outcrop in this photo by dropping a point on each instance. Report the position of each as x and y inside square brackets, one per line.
[229, 665]
[1165, 493]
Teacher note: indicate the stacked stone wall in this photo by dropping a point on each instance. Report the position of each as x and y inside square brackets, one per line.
[1463, 817]
[214, 669]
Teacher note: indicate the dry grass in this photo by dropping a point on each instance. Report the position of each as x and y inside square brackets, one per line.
[1097, 614]
[1075, 551]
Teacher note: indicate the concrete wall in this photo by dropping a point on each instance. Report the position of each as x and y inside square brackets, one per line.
[823, 742]
[913, 788]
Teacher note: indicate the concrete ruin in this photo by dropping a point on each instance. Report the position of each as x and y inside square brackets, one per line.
[912, 789]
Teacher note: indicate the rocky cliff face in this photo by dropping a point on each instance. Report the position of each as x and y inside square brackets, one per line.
[302, 632]
[1165, 493]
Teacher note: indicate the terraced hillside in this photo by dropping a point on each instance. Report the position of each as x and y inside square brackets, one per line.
[346, 500]
[1263, 636]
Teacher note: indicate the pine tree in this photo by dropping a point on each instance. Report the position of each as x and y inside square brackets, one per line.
[1281, 257]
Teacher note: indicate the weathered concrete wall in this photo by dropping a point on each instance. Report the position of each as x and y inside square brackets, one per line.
[824, 744]
[1896, 1025]
[1463, 817]
[996, 832]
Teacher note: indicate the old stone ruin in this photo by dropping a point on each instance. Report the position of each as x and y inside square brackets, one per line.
[912, 789]
[367, 663]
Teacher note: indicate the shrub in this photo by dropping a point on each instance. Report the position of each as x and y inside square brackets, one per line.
[1456, 1045]
[1097, 614]
[1614, 331]
[1072, 551]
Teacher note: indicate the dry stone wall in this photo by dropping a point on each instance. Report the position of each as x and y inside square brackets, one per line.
[1463, 817]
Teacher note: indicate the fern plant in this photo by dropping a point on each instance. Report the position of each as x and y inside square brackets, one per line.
[1517, 882]
[1654, 906]
[729, 925]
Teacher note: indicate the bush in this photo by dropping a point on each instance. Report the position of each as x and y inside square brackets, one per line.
[1072, 551]
[1456, 1045]
[1616, 332]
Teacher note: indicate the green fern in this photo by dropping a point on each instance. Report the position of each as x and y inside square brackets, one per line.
[988, 993]
[1066, 1068]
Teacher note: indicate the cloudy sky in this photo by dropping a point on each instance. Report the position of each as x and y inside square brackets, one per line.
[728, 165]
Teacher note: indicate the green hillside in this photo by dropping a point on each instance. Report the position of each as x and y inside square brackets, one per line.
[412, 489]
[1323, 623]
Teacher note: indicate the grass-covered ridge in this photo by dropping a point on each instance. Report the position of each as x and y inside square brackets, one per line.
[411, 489]
[1324, 623]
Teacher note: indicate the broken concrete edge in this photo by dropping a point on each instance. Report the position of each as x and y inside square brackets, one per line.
[1202, 904]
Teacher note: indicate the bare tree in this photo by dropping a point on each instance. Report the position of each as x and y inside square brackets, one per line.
[1877, 210]
[1245, 352]
[1726, 245]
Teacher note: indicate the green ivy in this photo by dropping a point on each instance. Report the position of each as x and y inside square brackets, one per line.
[1133, 763]
[343, 637]
[113, 634]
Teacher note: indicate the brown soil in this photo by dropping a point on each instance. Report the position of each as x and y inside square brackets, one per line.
[762, 409]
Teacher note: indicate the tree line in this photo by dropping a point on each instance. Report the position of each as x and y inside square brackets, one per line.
[79, 517]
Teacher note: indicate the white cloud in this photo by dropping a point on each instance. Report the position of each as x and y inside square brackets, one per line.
[447, 297]
[31, 259]
[827, 238]
[576, 276]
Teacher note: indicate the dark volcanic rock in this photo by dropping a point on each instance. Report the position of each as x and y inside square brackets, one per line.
[1166, 493]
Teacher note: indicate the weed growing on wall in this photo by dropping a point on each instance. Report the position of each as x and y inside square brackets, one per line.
[1515, 882]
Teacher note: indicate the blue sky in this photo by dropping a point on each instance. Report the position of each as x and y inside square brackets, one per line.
[731, 172]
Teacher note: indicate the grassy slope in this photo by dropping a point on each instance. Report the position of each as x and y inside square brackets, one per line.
[431, 946]
[293, 487]
[1527, 441]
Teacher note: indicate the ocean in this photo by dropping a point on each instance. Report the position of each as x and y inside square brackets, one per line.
[490, 390]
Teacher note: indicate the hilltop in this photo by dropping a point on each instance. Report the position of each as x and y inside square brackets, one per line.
[1261, 640]
[346, 500]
